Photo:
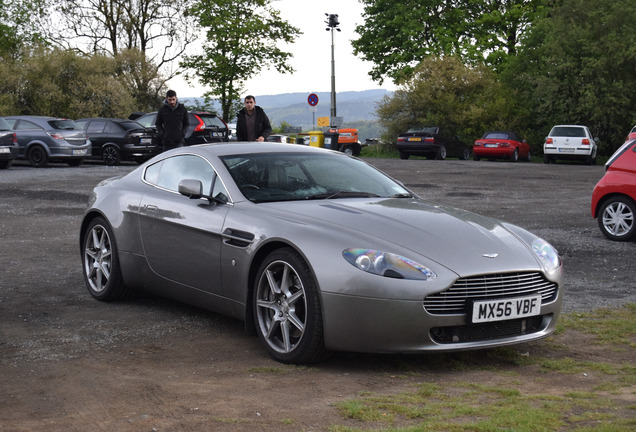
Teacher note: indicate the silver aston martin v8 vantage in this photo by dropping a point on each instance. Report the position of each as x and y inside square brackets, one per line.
[317, 251]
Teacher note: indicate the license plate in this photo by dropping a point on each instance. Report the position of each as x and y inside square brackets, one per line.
[79, 152]
[415, 139]
[146, 140]
[219, 134]
[565, 150]
[491, 145]
[499, 310]
[4, 150]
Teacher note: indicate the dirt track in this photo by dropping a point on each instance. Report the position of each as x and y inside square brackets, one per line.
[70, 363]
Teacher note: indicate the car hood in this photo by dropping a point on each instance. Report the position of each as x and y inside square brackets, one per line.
[462, 241]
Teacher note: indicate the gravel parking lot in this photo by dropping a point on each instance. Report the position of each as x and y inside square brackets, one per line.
[68, 362]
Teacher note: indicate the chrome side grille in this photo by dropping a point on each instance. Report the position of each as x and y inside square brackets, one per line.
[489, 287]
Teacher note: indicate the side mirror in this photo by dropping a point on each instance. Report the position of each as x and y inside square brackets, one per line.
[191, 188]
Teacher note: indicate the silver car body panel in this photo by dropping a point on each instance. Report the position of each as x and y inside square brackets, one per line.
[207, 253]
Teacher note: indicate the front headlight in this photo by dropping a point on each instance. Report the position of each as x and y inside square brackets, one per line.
[547, 254]
[387, 264]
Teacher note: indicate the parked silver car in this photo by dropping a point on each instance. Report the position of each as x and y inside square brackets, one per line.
[43, 139]
[317, 251]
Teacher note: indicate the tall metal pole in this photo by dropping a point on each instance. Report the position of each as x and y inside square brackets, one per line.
[333, 82]
[332, 24]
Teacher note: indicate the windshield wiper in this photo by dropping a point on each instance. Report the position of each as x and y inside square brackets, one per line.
[402, 195]
[342, 194]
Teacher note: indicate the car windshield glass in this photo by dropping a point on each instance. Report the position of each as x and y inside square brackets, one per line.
[566, 131]
[147, 120]
[62, 124]
[297, 176]
[431, 130]
[4, 125]
[497, 135]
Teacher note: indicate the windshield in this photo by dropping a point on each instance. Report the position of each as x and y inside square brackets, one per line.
[4, 125]
[430, 130]
[568, 131]
[295, 176]
[496, 135]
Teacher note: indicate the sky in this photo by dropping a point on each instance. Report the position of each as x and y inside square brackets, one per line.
[311, 53]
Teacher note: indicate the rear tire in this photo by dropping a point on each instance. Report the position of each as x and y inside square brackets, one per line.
[465, 154]
[100, 260]
[38, 158]
[441, 153]
[111, 156]
[6, 164]
[403, 155]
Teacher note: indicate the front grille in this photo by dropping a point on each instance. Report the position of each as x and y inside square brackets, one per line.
[457, 298]
[489, 331]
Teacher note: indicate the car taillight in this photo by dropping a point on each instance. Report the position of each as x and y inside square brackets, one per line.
[401, 139]
[478, 143]
[201, 126]
[585, 141]
[504, 144]
[55, 135]
[549, 141]
[14, 138]
[429, 139]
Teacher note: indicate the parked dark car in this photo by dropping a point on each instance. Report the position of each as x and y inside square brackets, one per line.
[43, 139]
[501, 144]
[8, 145]
[204, 127]
[614, 196]
[116, 140]
[432, 142]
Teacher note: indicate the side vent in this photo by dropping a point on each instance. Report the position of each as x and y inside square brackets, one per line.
[237, 238]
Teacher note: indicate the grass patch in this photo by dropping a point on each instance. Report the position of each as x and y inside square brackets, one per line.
[584, 395]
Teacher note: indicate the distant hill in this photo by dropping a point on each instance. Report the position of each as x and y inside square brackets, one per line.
[292, 108]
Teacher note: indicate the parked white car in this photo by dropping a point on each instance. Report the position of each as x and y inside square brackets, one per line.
[570, 142]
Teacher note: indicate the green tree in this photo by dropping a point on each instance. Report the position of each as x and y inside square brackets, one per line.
[397, 35]
[578, 66]
[16, 25]
[446, 92]
[63, 83]
[242, 37]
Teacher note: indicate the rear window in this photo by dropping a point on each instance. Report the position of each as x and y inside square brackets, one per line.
[62, 124]
[4, 125]
[130, 125]
[496, 135]
[568, 131]
[211, 120]
[431, 130]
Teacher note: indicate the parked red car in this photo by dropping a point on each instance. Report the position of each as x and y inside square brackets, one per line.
[614, 196]
[501, 144]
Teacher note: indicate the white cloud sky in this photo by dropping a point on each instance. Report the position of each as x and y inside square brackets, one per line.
[312, 53]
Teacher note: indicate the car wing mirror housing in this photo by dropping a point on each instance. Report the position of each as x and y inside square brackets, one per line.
[191, 188]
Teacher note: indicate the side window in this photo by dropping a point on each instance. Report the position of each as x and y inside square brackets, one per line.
[169, 172]
[96, 126]
[27, 125]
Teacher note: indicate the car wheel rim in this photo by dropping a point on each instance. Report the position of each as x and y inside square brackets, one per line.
[110, 156]
[618, 219]
[281, 307]
[98, 258]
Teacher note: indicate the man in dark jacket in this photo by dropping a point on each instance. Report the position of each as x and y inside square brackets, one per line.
[252, 123]
[172, 121]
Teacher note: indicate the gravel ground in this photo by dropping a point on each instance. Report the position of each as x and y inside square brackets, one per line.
[68, 362]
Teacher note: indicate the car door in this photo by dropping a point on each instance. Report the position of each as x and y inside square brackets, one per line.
[26, 132]
[181, 237]
[95, 132]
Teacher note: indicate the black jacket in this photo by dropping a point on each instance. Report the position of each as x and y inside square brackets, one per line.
[172, 123]
[263, 127]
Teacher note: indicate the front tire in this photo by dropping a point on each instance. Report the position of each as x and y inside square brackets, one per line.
[616, 218]
[102, 273]
[465, 154]
[287, 309]
[515, 155]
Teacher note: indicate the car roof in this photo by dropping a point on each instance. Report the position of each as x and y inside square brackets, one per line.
[105, 118]
[241, 147]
